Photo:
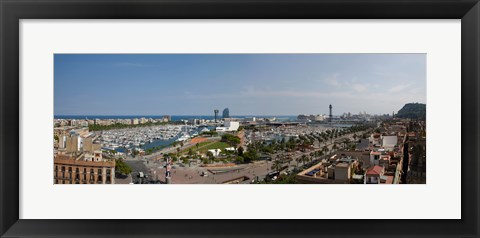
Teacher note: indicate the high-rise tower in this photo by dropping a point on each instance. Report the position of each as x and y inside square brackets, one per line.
[216, 114]
[226, 113]
[330, 115]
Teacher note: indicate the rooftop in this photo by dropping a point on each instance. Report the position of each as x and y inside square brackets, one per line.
[342, 165]
[375, 170]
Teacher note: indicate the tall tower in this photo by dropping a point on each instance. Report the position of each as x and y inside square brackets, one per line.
[216, 114]
[330, 115]
[226, 113]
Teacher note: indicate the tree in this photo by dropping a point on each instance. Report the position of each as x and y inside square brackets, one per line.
[304, 159]
[185, 160]
[250, 155]
[239, 159]
[205, 161]
[320, 153]
[210, 155]
[122, 168]
[335, 147]
[231, 139]
[277, 164]
[353, 146]
[298, 160]
[345, 142]
[325, 149]
[240, 151]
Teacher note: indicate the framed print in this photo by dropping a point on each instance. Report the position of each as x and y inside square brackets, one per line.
[239, 118]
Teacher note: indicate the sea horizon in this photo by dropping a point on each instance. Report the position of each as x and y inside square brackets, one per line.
[176, 117]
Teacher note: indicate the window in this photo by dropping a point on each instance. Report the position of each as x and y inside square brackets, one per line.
[99, 179]
[108, 176]
[77, 174]
[92, 176]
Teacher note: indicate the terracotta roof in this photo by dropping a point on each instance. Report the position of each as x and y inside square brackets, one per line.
[375, 170]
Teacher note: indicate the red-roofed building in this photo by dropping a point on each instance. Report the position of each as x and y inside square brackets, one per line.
[372, 175]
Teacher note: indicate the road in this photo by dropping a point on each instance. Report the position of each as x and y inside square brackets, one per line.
[154, 169]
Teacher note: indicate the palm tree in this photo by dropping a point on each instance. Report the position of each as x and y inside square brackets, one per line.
[325, 149]
[320, 153]
[304, 159]
[334, 147]
[276, 165]
[297, 161]
[345, 142]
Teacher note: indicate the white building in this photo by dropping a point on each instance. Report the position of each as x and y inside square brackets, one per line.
[389, 142]
[229, 126]
[215, 152]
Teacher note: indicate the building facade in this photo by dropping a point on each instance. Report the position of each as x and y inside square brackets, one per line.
[226, 113]
[71, 170]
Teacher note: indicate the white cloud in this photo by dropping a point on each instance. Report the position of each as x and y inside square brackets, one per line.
[332, 80]
[399, 88]
[359, 88]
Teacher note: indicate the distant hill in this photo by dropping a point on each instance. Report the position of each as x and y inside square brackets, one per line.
[413, 111]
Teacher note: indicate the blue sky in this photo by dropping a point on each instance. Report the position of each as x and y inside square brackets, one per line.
[248, 84]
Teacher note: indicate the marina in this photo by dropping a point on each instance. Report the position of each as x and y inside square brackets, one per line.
[144, 138]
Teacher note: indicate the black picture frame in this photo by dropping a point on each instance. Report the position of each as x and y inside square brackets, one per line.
[12, 11]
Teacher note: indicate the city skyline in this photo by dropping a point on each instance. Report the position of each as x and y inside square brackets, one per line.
[248, 84]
